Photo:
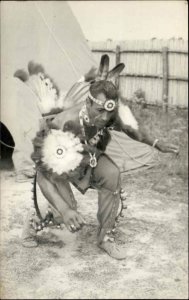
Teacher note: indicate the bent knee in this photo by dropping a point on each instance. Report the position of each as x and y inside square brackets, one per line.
[113, 173]
[106, 174]
[112, 178]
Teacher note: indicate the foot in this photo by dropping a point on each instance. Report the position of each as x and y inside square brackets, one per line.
[114, 250]
[29, 234]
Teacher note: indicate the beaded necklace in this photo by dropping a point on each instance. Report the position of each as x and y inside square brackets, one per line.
[83, 116]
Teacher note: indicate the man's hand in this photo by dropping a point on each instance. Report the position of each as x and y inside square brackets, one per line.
[165, 148]
[91, 74]
[73, 220]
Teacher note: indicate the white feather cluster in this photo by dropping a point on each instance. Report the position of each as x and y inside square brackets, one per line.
[61, 151]
[126, 116]
[46, 93]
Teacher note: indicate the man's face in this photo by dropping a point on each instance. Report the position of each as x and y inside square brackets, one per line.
[97, 114]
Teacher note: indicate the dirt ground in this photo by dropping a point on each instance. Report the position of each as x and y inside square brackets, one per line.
[71, 266]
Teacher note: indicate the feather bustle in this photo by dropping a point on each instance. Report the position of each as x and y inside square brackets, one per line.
[48, 95]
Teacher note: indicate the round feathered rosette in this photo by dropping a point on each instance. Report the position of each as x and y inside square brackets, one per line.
[57, 151]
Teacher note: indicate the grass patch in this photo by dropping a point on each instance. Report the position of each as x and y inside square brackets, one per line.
[170, 127]
[171, 173]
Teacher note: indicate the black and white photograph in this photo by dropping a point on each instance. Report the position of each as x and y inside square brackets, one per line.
[94, 150]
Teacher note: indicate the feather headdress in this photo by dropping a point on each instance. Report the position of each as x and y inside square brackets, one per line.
[124, 112]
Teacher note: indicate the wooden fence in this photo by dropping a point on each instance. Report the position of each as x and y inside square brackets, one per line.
[157, 67]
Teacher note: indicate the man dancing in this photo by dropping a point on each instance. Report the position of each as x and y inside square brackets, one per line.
[80, 135]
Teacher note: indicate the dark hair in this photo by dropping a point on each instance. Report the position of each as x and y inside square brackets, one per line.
[105, 87]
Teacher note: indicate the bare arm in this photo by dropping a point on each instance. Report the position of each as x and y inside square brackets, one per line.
[133, 129]
[69, 216]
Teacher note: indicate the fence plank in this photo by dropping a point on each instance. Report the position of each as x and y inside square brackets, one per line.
[117, 61]
[144, 68]
[165, 78]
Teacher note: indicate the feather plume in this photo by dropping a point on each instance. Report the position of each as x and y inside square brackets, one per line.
[49, 97]
[103, 68]
[45, 91]
[22, 75]
[114, 73]
[126, 116]
[34, 68]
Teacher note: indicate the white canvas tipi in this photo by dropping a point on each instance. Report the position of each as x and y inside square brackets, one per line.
[47, 32]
